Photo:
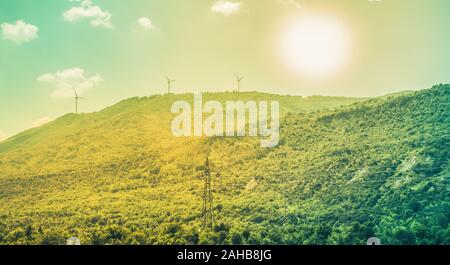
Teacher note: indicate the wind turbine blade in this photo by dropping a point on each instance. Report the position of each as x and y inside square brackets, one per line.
[239, 78]
[76, 95]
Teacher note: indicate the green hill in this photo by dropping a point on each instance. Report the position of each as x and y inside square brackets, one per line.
[345, 170]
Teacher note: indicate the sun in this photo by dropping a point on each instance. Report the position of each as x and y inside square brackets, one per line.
[314, 46]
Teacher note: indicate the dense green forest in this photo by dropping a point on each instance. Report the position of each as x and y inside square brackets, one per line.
[346, 169]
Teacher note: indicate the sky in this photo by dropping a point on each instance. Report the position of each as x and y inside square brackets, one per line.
[111, 50]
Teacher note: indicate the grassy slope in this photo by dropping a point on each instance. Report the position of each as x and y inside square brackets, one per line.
[118, 176]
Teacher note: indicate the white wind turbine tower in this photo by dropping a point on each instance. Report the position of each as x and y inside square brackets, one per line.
[169, 83]
[76, 100]
[238, 80]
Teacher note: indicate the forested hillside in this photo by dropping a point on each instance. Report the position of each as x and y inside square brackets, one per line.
[345, 170]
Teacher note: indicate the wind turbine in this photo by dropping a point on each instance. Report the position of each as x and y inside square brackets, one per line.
[169, 83]
[239, 79]
[76, 100]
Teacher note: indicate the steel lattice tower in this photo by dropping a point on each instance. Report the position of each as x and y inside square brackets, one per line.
[207, 211]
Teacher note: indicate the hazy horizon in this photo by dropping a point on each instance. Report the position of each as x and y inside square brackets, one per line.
[113, 51]
[45, 121]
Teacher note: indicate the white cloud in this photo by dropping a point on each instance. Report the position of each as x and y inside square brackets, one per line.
[41, 121]
[19, 32]
[146, 23]
[66, 80]
[226, 7]
[87, 10]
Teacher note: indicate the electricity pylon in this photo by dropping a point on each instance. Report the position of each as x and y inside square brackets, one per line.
[207, 211]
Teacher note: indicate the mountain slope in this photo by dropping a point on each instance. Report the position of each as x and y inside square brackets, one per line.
[379, 167]
[120, 131]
